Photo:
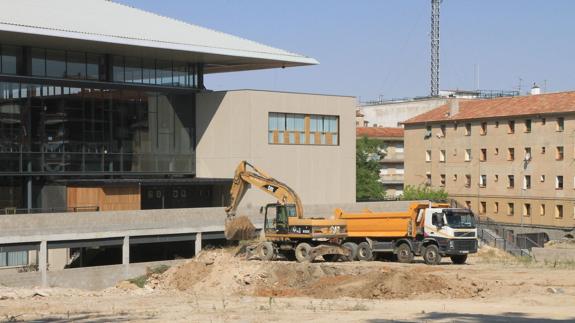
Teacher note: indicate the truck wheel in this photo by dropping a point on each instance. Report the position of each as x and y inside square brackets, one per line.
[302, 252]
[431, 255]
[352, 247]
[364, 252]
[404, 253]
[266, 251]
[459, 259]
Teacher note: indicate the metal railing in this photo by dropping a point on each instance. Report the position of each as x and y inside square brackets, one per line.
[13, 210]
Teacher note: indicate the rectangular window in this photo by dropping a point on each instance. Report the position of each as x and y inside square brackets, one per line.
[442, 130]
[510, 126]
[13, 258]
[428, 156]
[11, 59]
[95, 67]
[482, 207]
[542, 178]
[559, 182]
[467, 154]
[38, 62]
[510, 154]
[468, 129]
[543, 150]
[55, 63]
[560, 124]
[483, 130]
[528, 125]
[467, 180]
[118, 69]
[496, 178]
[496, 153]
[496, 207]
[149, 71]
[483, 181]
[468, 204]
[164, 73]
[559, 153]
[290, 128]
[510, 209]
[133, 70]
[76, 65]
[442, 179]
[483, 155]
[526, 209]
[427, 179]
[442, 156]
[510, 181]
[542, 210]
[559, 211]
[526, 182]
[527, 154]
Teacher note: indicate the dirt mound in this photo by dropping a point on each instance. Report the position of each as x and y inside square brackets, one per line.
[219, 272]
[239, 228]
[565, 243]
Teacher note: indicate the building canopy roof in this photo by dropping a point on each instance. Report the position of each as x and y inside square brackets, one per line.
[376, 132]
[552, 103]
[106, 26]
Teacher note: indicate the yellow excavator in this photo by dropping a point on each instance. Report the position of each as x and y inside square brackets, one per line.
[286, 231]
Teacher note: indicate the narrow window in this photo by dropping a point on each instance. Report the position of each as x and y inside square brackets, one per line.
[510, 154]
[496, 207]
[559, 182]
[468, 204]
[527, 154]
[526, 209]
[442, 130]
[483, 155]
[467, 180]
[468, 129]
[427, 132]
[510, 209]
[428, 180]
[560, 124]
[526, 182]
[528, 125]
[442, 179]
[510, 181]
[467, 154]
[559, 211]
[510, 126]
[496, 151]
[542, 178]
[482, 207]
[455, 177]
[542, 210]
[496, 178]
[483, 128]
[483, 180]
[442, 156]
[428, 156]
[543, 150]
[559, 153]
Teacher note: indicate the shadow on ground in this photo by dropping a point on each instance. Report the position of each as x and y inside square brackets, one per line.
[77, 317]
[478, 318]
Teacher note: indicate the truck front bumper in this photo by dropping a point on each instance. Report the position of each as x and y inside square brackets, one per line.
[459, 247]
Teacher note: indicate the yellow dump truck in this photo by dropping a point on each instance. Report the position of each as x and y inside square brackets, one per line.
[429, 230]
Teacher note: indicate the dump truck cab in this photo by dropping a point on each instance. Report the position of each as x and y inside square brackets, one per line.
[452, 230]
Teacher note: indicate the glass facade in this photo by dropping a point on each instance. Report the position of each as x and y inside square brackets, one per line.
[53, 129]
[76, 65]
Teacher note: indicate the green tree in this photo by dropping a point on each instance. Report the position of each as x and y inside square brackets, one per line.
[414, 193]
[367, 158]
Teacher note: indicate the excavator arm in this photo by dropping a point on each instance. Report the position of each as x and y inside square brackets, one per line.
[246, 176]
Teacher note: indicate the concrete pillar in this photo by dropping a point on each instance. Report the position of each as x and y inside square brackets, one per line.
[126, 251]
[43, 262]
[198, 244]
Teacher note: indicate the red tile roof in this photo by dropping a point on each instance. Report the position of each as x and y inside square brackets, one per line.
[561, 102]
[373, 132]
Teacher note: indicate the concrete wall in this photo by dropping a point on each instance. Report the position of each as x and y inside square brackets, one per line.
[391, 113]
[553, 255]
[233, 126]
[497, 167]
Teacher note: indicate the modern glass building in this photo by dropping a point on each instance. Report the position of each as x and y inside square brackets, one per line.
[102, 116]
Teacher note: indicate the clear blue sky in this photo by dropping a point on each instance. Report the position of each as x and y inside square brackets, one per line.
[369, 48]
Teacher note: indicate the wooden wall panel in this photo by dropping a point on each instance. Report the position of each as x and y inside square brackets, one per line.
[105, 198]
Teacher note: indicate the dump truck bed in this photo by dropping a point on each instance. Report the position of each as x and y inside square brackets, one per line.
[379, 224]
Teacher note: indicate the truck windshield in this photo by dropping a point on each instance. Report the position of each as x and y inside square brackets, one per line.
[459, 220]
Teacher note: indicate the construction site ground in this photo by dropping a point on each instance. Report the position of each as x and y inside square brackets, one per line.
[219, 286]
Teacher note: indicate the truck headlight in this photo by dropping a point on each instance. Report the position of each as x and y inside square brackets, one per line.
[451, 244]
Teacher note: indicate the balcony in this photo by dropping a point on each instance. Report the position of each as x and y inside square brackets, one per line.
[391, 178]
[393, 158]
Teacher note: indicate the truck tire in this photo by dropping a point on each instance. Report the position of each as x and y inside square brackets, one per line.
[302, 252]
[352, 247]
[404, 253]
[364, 252]
[431, 255]
[266, 251]
[459, 259]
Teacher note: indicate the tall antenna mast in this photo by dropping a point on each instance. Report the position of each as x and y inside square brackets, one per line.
[435, 6]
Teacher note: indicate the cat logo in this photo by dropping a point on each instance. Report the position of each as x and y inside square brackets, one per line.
[271, 188]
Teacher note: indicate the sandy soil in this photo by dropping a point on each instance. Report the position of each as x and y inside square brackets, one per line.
[218, 287]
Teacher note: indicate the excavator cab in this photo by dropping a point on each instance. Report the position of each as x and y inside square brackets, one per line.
[276, 217]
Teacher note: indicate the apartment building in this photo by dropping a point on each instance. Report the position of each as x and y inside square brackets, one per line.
[508, 159]
[391, 157]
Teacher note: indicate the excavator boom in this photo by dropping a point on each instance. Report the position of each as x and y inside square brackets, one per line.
[246, 175]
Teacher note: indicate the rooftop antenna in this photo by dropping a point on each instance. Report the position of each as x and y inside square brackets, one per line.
[435, 6]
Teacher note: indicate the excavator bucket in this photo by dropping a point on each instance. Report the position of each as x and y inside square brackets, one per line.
[239, 228]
